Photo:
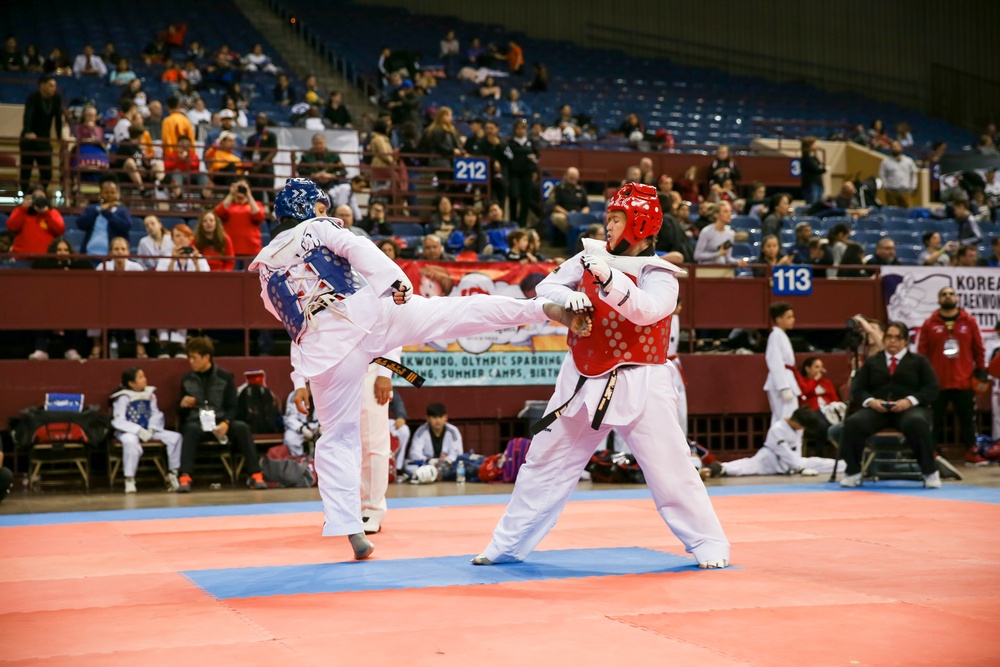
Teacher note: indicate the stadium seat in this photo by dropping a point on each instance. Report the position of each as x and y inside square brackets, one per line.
[408, 229]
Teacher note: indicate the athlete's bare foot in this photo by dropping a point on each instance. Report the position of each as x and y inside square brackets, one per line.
[580, 324]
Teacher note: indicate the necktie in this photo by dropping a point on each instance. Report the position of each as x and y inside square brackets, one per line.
[90, 62]
[892, 366]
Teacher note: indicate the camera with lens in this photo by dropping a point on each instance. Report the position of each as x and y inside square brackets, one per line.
[39, 202]
[187, 250]
[855, 336]
[242, 189]
[727, 245]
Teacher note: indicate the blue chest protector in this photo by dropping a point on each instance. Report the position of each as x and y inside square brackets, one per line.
[334, 274]
[139, 412]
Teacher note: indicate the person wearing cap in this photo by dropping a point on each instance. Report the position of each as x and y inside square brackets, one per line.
[221, 159]
[227, 118]
[630, 294]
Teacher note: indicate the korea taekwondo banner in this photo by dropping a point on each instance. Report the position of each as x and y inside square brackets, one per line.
[529, 354]
[911, 295]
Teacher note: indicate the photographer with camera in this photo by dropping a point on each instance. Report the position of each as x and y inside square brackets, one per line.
[241, 217]
[184, 257]
[35, 224]
[896, 389]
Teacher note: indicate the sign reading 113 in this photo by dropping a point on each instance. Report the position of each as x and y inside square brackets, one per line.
[792, 280]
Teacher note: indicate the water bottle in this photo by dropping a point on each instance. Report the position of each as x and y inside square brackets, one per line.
[113, 349]
[460, 472]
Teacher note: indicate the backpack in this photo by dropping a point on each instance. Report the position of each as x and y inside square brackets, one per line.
[513, 458]
[282, 469]
[491, 470]
[257, 407]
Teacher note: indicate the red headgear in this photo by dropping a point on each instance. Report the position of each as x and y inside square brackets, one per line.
[644, 217]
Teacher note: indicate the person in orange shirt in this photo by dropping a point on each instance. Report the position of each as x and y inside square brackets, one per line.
[173, 73]
[515, 57]
[222, 161]
[175, 126]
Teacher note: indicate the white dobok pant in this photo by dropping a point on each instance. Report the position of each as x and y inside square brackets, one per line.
[337, 392]
[764, 462]
[132, 450]
[780, 408]
[557, 457]
[376, 450]
[677, 379]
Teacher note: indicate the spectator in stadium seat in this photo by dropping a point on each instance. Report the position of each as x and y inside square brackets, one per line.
[155, 244]
[967, 255]
[241, 216]
[513, 105]
[986, 147]
[283, 93]
[898, 174]
[449, 54]
[934, 254]
[800, 248]
[208, 387]
[723, 166]
[156, 51]
[903, 135]
[969, 231]
[540, 82]
[820, 254]
[33, 60]
[105, 220]
[444, 219]
[346, 216]
[172, 74]
[57, 64]
[469, 235]
[183, 257]
[227, 117]
[89, 63]
[122, 75]
[42, 108]
[770, 254]
[672, 236]
[432, 250]
[131, 157]
[756, 203]
[688, 186]
[837, 238]
[885, 253]
[375, 223]
[995, 259]
[390, 248]
[854, 255]
[58, 259]
[222, 160]
[812, 172]
[336, 112]
[199, 115]
[258, 61]
[514, 57]
[778, 211]
[647, 176]
[495, 218]
[214, 243]
[566, 119]
[594, 231]
[6, 243]
[320, 165]
[11, 59]
[878, 139]
[192, 74]
[262, 147]
[175, 126]
[489, 89]
[567, 197]
[182, 168]
[346, 194]
[715, 242]
[35, 224]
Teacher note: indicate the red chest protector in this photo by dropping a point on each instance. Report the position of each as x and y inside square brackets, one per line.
[614, 341]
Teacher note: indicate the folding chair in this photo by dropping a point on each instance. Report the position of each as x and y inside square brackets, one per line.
[888, 456]
[156, 449]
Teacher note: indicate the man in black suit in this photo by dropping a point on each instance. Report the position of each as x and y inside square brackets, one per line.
[896, 389]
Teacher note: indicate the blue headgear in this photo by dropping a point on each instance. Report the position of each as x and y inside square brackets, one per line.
[298, 200]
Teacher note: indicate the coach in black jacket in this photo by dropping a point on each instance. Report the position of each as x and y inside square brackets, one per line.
[896, 389]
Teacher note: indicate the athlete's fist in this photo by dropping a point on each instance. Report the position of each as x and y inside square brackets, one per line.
[598, 268]
[145, 434]
[402, 290]
[578, 302]
[787, 395]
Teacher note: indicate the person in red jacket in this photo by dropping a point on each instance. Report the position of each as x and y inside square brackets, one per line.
[951, 340]
[242, 216]
[35, 224]
[212, 242]
[817, 391]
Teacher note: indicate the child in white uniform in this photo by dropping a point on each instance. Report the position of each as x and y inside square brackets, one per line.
[136, 418]
[781, 386]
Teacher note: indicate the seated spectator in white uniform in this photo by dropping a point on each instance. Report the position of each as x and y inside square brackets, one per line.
[301, 430]
[436, 440]
[782, 452]
[136, 418]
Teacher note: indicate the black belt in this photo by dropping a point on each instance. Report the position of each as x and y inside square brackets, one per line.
[399, 369]
[602, 405]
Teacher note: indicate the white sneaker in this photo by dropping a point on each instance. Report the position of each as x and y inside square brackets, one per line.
[173, 481]
[851, 481]
[717, 564]
[371, 525]
[72, 355]
[38, 355]
[933, 480]
[130, 486]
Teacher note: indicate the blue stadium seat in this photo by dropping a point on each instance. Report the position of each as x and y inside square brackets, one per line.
[75, 237]
[744, 223]
[409, 229]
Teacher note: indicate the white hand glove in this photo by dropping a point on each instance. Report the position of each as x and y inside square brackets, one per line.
[808, 472]
[306, 433]
[402, 290]
[787, 395]
[598, 267]
[578, 302]
[145, 434]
